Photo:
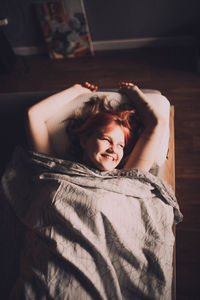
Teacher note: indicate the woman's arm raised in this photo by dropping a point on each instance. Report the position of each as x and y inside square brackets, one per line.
[39, 113]
[147, 147]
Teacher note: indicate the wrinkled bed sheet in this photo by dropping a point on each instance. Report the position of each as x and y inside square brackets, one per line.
[90, 234]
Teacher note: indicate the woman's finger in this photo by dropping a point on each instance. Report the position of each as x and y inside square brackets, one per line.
[126, 84]
[90, 86]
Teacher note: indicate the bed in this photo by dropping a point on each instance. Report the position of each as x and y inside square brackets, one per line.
[15, 223]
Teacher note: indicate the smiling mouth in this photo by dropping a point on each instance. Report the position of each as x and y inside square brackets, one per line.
[107, 156]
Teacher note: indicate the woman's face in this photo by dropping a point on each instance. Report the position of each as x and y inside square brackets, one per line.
[104, 149]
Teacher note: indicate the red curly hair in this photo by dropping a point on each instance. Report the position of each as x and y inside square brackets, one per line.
[103, 119]
[97, 115]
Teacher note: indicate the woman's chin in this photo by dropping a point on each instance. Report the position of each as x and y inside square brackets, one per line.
[106, 166]
[102, 165]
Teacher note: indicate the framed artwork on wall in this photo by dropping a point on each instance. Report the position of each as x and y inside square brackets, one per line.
[65, 28]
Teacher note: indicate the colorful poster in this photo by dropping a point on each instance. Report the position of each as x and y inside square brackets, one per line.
[65, 28]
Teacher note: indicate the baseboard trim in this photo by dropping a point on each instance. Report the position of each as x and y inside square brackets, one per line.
[144, 42]
[120, 44]
[29, 50]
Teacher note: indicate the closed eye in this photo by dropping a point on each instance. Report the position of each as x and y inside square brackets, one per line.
[105, 139]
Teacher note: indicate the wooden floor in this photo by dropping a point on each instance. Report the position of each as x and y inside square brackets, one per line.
[172, 71]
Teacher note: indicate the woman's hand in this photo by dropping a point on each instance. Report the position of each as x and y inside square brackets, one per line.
[146, 109]
[91, 87]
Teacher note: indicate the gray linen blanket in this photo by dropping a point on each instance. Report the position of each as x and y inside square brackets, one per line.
[90, 234]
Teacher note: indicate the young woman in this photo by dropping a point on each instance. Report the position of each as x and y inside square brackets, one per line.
[105, 136]
[92, 234]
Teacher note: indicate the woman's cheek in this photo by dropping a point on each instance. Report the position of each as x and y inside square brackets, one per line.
[121, 154]
[102, 145]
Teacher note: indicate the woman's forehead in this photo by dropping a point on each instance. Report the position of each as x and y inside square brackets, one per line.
[113, 130]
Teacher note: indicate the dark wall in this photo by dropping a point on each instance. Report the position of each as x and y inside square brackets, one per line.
[109, 19]
[127, 19]
[23, 27]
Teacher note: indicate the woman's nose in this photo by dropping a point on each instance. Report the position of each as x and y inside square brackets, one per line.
[111, 148]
